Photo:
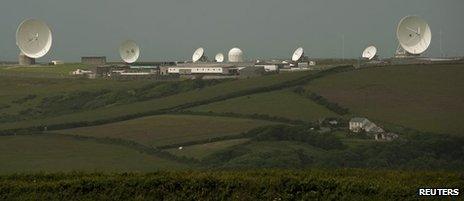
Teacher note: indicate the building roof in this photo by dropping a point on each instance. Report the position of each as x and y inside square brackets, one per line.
[358, 120]
[203, 65]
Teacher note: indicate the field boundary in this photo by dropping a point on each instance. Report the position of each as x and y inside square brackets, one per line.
[155, 151]
[262, 117]
[280, 86]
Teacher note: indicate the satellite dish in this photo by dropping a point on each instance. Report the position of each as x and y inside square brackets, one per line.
[199, 55]
[298, 54]
[34, 38]
[369, 52]
[414, 35]
[129, 51]
[219, 58]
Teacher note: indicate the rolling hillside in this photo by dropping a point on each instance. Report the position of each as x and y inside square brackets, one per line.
[284, 103]
[165, 130]
[231, 123]
[426, 98]
[153, 106]
[51, 153]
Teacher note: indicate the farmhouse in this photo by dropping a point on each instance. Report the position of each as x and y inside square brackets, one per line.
[363, 124]
[357, 124]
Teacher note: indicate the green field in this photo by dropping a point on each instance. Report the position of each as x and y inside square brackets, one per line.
[204, 94]
[14, 91]
[62, 70]
[271, 154]
[427, 98]
[45, 153]
[169, 129]
[201, 151]
[283, 103]
[144, 122]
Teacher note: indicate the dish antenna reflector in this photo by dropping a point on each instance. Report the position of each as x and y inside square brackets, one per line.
[298, 54]
[129, 51]
[369, 53]
[34, 38]
[414, 36]
[219, 58]
[199, 55]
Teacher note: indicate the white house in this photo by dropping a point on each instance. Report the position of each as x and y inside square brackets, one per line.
[357, 124]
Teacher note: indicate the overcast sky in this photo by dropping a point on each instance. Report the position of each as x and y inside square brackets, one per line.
[172, 29]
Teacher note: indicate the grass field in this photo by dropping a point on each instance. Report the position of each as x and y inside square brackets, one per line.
[272, 154]
[427, 98]
[203, 150]
[14, 89]
[44, 153]
[62, 70]
[283, 103]
[169, 129]
[160, 103]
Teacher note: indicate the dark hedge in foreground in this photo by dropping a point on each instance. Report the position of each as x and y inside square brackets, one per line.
[346, 184]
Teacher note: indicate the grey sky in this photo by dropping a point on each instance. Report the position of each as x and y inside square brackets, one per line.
[172, 29]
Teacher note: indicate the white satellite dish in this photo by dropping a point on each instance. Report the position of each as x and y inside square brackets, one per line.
[129, 51]
[34, 38]
[414, 35]
[219, 58]
[298, 54]
[199, 55]
[369, 53]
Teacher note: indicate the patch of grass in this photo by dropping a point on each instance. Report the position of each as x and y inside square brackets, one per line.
[282, 103]
[203, 150]
[62, 70]
[44, 153]
[265, 154]
[428, 98]
[169, 129]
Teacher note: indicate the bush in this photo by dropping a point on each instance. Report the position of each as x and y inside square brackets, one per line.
[334, 107]
[342, 184]
[303, 134]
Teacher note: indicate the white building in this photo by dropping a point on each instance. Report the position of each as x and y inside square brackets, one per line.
[57, 62]
[197, 70]
[268, 67]
[363, 124]
[357, 124]
[81, 72]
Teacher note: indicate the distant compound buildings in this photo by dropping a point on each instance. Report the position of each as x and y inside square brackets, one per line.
[359, 124]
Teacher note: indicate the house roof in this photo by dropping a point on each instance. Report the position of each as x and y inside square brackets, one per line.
[359, 120]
